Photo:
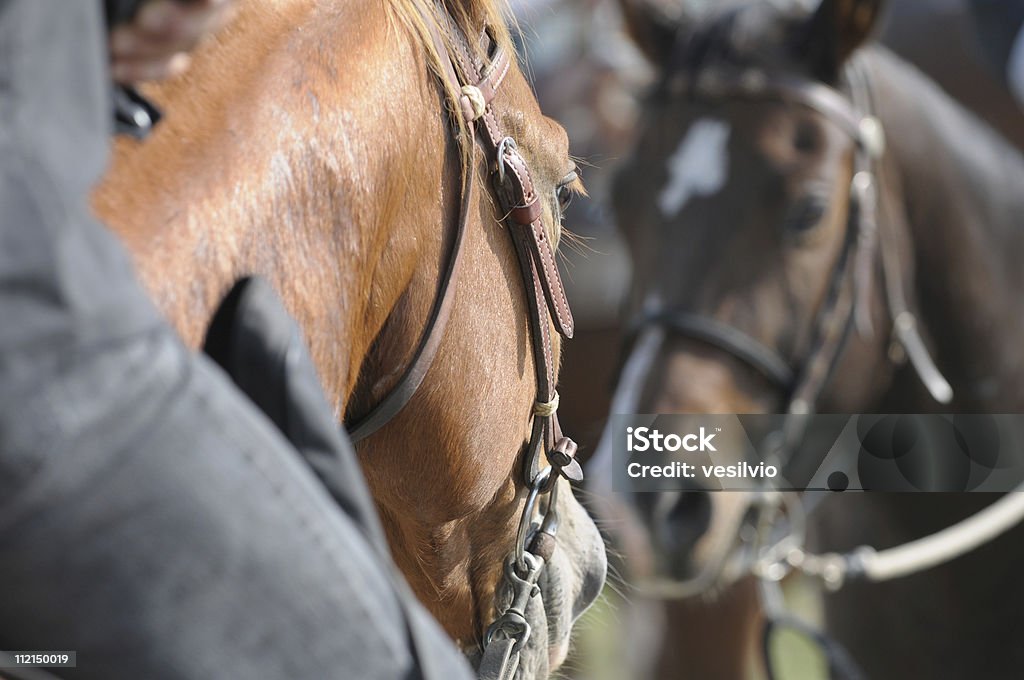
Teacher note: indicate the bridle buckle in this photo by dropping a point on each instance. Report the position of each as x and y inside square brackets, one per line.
[505, 144]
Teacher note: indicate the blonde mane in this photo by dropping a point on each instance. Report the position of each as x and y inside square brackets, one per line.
[471, 16]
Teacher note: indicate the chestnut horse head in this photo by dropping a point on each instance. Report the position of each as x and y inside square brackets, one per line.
[747, 228]
[329, 148]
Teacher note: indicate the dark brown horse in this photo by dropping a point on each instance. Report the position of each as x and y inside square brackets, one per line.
[739, 203]
[311, 144]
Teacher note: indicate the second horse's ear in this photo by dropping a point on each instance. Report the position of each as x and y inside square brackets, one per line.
[834, 32]
[653, 25]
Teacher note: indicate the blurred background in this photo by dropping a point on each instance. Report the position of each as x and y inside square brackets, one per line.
[590, 77]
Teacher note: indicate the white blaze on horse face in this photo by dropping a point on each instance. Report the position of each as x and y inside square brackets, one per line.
[699, 166]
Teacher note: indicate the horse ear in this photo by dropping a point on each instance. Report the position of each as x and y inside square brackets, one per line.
[835, 31]
[653, 26]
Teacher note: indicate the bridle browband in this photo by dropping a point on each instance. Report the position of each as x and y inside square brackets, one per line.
[476, 84]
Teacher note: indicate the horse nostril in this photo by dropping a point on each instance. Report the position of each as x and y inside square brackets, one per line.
[680, 520]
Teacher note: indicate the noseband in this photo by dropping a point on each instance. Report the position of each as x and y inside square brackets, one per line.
[846, 304]
[476, 84]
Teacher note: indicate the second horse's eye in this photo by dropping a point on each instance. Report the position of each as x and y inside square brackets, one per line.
[564, 192]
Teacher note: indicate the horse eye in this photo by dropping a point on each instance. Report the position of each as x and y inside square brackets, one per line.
[806, 138]
[564, 191]
[807, 213]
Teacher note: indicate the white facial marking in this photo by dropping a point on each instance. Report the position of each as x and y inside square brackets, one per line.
[627, 397]
[699, 166]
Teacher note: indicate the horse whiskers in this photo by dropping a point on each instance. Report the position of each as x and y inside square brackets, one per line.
[619, 586]
[577, 243]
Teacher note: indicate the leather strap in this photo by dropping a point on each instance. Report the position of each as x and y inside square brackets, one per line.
[732, 340]
[430, 341]
[545, 299]
[519, 198]
[541, 281]
[522, 204]
[517, 194]
[500, 661]
[437, 322]
[753, 84]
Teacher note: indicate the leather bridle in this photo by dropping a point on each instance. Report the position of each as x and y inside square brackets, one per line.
[847, 298]
[476, 84]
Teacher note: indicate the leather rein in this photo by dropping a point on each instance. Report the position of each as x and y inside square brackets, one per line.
[477, 84]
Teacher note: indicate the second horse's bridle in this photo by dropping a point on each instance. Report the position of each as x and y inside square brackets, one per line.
[845, 305]
[475, 85]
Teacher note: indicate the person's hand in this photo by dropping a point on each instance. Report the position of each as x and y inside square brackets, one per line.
[155, 44]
